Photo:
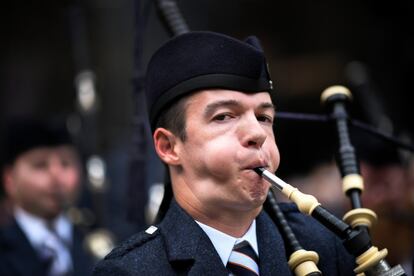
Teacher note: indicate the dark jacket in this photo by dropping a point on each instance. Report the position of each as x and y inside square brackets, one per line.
[19, 258]
[179, 246]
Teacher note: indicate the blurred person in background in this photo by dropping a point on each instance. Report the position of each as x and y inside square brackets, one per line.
[41, 176]
[389, 193]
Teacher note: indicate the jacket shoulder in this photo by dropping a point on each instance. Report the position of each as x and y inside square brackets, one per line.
[134, 242]
[136, 256]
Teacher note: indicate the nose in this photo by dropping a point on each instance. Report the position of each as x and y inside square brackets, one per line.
[253, 134]
[56, 169]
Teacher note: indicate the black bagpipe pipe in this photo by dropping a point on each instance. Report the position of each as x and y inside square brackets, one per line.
[335, 98]
[371, 261]
[171, 17]
[354, 230]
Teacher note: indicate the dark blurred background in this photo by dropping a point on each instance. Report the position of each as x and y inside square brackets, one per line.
[85, 61]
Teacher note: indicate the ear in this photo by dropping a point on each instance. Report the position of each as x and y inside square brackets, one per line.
[7, 178]
[166, 146]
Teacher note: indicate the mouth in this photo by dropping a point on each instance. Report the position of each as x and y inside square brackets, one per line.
[257, 164]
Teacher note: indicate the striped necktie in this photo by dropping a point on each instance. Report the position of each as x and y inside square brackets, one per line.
[58, 251]
[243, 260]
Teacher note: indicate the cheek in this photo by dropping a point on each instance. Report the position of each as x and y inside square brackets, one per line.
[221, 153]
[272, 151]
[214, 158]
[70, 179]
[32, 180]
[26, 189]
[275, 158]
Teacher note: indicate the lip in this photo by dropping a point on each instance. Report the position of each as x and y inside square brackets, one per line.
[257, 164]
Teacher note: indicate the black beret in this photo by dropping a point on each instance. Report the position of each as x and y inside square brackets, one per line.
[201, 60]
[22, 135]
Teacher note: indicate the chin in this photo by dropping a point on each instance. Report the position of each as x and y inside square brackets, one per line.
[47, 214]
[258, 200]
[257, 197]
[259, 192]
[52, 212]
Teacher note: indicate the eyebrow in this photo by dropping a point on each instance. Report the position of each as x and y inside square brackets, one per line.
[212, 107]
[267, 106]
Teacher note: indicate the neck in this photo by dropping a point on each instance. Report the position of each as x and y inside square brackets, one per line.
[38, 215]
[231, 221]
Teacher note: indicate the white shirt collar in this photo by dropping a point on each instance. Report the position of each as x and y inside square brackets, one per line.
[36, 229]
[224, 243]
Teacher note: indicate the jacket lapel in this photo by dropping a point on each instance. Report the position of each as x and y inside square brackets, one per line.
[189, 249]
[20, 254]
[272, 253]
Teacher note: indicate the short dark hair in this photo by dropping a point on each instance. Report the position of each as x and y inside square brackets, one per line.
[173, 118]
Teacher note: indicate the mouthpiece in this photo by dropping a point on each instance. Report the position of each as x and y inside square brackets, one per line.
[306, 203]
[275, 181]
[259, 170]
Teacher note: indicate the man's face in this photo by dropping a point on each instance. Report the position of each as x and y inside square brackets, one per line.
[228, 134]
[44, 180]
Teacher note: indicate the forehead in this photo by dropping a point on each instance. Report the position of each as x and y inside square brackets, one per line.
[205, 97]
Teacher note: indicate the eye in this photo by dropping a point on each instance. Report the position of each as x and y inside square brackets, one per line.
[265, 118]
[66, 162]
[39, 164]
[222, 117]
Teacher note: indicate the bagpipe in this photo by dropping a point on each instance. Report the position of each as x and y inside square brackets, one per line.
[354, 228]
